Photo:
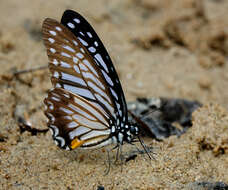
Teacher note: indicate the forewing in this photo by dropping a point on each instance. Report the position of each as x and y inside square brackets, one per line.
[75, 121]
[73, 69]
[88, 37]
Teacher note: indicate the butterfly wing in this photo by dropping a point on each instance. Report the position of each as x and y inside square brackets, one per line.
[84, 32]
[73, 69]
[74, 121]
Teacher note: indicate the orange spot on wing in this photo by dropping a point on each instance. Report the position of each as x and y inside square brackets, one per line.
[76, 143]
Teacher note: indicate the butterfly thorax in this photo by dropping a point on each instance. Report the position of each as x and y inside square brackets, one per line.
[123, 133]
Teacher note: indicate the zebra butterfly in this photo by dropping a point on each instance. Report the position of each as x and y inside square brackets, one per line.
[86, 108]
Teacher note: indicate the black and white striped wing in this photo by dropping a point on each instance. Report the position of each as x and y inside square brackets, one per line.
[92, 43]
[75, 121]
[73, 69]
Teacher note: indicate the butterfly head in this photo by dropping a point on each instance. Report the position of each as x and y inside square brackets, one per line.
[133, 131]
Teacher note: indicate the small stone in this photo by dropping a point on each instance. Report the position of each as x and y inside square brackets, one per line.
[217, 59]
[205, 62]
[205, 82]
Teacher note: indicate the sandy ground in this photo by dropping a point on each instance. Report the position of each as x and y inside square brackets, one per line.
[172, 48]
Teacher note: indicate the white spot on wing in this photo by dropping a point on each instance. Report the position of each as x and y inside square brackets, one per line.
[52, 32]
[61, 140]
[78, 131]
[72, 124]
[114, 93]
[58, 28]
[108, 79]
[76, 69]
[55, 98]
[54, 94]
[66, 95]
[64, 64]
[51, 40]
[52, 50]
[69, 48]
[75, 59]
[101, 61]
[83, 67]
[79, 55]
[55, 62]
[65, 54]
[76, 20]
[89, 34]
[84, 43]
[75, 43]
[82, 50]
[56, 74]
[88, 64]
[67, 111]
[69, 77]
[67, 117]
[94, 134]
[55, 130]
[80, 91]
[92, 49]
[82, 33]
[71, 25]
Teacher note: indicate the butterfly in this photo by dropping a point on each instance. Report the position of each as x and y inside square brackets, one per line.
[86, 107]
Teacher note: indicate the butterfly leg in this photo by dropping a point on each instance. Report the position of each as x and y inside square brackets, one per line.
[146, 149]
[117, 153]
[138, 150]
[109, 164]
[121, 156]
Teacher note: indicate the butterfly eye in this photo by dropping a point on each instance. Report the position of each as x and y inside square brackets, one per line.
[133, 130]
